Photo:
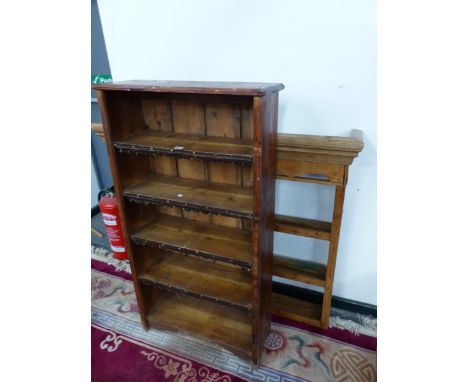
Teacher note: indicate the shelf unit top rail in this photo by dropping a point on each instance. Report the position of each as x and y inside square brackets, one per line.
[194, 87]
[195, 195]
[318, 148]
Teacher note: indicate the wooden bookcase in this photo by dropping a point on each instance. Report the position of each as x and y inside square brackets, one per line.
[194, 167]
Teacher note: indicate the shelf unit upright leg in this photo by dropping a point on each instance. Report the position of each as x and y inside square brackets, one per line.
[333, 251]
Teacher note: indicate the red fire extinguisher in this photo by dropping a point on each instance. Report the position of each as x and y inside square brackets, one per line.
[110, 215]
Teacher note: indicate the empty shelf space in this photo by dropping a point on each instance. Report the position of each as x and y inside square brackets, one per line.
[316, 229]
[189, 146]
[198, 195]
[217, 283]
[300, 270]
[296, 309]
[228, 327]
[192, 237]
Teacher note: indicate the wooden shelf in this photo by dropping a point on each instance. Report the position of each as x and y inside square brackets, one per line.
[189, 146]
[198, 142]
[197, 195]
[193, 277]
[296, 309]
[229, 327]
[316, 229]
[299, 270]
[192, 237]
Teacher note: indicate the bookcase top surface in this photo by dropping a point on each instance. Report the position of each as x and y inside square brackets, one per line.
[195, 87]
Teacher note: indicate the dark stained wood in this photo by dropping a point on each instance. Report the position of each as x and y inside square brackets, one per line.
[102, 100]
[157, 114]
[246, 171]
[132, 168]
[224, 121]
[196, 87]
[189, 118]
[332, 254]
[265, 121]
[228, 327]
[197, 278]
[197, 238]
[296, 309]
[299, 270]
[316, 229]
[124, 114]
[188, 146]
[197, 195]
[213, 145]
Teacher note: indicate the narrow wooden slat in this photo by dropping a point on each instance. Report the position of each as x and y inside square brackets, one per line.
[194, 277]
[228, 327]
[224, 121]
[296, 309]
[198, 195]
[188, 146]
[299, 270]
[197, 238]
[316, 229]
[332, 253]
[189, 118]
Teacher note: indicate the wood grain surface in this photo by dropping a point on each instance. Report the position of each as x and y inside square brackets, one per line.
[197, 278]
[227, 244]
[228, 327]
[199, 195]
[308, 272]
[197, 87]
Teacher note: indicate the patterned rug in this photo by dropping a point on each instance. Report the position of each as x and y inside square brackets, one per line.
[123, 351]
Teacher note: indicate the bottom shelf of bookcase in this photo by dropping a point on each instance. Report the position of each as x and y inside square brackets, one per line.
[228, 327]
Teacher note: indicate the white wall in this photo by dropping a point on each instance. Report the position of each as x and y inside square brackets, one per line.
[324, 51]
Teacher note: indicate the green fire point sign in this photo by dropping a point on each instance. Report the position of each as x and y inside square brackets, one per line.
[101, 78]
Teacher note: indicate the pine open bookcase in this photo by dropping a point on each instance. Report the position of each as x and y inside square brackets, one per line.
[194, 166]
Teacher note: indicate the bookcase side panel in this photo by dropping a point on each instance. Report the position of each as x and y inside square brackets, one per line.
[265, 127]
[103, 105]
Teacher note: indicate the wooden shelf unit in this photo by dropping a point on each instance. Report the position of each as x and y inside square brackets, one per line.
[322, 160]
[317, 159]
[194, 166]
